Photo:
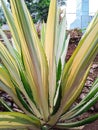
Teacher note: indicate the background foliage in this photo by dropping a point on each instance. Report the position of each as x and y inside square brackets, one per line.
[38, 9]
[2, 19]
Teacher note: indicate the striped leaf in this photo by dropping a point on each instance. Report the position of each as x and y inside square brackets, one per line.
[17, 120]
[34, 73]
[89, 100]
[12, 26]
[43, 32]
[78, 63]
[33, 55]
[49, 47]
[76, 67]
[61, 37]
[7, 89]
[78, 123]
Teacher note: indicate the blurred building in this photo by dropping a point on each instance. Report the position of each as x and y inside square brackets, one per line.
[82, 15]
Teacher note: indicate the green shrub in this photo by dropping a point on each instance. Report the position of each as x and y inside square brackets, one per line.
[35, 75]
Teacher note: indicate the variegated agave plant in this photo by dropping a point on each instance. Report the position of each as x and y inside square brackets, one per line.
[34, 73]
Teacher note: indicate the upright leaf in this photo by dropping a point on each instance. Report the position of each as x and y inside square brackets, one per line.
[50, 50]
[33, 55]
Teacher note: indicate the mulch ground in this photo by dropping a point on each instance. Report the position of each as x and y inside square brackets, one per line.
[92, 126]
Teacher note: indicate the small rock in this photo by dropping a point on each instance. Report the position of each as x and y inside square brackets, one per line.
[82, 96]
[91, 70]
[88, 83]
[92, 109]
[89, 78]
[17, 110]
[9, 103]
[94, 66]
[14, 105]
[85, 90]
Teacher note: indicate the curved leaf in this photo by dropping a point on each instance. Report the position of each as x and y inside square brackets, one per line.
[12, 120]
[78, 123]
[89, 100]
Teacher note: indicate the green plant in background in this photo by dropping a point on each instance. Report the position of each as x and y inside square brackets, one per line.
[34, 73]
[38, 9]
[2, 19]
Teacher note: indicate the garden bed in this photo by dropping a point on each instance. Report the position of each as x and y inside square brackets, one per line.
[75, 37]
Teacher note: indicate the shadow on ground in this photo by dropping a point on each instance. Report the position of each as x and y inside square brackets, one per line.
[92, 126]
